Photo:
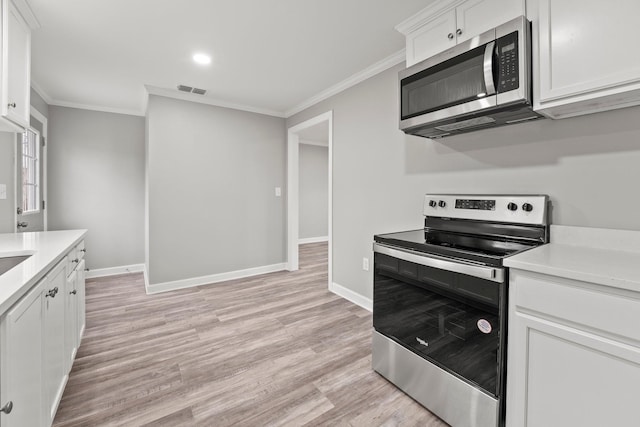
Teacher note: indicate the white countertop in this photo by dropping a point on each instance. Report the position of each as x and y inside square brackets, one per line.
[46, 249]
[595, 255]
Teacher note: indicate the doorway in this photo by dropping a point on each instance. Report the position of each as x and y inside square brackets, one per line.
[301, 133]
[30, 175]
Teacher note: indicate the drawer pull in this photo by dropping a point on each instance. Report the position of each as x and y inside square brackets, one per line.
[12, 104]
[73, 292]
[75, 260]
[7, 408]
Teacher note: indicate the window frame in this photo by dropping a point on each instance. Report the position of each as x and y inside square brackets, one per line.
[36, 162]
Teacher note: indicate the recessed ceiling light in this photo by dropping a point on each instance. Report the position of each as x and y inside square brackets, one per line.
[201, 58]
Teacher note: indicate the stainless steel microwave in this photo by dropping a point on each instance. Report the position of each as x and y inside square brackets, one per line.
[480, 83]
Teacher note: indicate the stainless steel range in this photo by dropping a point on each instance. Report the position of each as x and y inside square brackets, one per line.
[440, 302]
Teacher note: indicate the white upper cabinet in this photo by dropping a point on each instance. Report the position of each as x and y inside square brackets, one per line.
[15, 70]
[445, 23]
[436, 36]
[477, 16]
[585, 56]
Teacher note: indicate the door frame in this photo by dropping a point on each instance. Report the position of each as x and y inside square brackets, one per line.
[42, 119]
[43, 178]
[293, 197]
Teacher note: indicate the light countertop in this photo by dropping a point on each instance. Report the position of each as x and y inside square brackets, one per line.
[46, 250]
[601, 256]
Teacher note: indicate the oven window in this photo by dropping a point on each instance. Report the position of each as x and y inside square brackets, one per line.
[414, 306]
[458, 80]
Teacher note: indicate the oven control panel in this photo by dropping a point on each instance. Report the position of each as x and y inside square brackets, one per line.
[524, 209]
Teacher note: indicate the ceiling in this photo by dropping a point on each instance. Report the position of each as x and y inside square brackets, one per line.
[270, 56]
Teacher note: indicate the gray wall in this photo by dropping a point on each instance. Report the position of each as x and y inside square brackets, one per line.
[211, 174]
[7, 177]
[313, 190]
[39, 104]
[96, 181]
[589, 166]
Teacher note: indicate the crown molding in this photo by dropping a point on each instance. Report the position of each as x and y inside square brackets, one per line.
[51, 101]
[372, 70]
[38, 89]
[203, 99]
[356, 78]
[25, 10]
[99, 108]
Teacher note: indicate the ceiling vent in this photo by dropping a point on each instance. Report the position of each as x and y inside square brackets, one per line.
[190, 89]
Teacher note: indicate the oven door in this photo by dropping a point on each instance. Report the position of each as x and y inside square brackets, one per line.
[448, 312]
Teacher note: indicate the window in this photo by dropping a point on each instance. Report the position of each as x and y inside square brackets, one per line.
[30, 171]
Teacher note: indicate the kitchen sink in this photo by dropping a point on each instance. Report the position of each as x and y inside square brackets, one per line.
[8, 263]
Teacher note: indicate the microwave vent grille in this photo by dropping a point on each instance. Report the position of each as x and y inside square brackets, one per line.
[466, 124]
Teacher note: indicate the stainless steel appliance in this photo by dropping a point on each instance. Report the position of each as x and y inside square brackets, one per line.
[440, 302]
[483, 82]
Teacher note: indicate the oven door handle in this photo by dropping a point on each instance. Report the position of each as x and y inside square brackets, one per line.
[428, 260]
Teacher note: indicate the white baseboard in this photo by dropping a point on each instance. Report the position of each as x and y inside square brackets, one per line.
[213, 278]
[113, 271]
[349, 295]
[313, 240]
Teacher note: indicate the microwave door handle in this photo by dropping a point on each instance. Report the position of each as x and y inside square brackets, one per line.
[488, 68]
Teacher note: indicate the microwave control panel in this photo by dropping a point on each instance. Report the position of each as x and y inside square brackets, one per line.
[508, 65]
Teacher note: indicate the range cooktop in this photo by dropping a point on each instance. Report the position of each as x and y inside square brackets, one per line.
[453, 245]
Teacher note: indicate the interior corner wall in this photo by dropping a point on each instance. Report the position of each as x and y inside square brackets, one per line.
[7, 177]
[39, 104]
[588, 166]
[96, 182]
[314, 191]
[211, 174]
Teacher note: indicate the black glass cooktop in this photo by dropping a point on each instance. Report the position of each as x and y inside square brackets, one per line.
[481, 249]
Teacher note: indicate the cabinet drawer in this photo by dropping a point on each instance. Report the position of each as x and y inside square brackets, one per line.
[582, 305]
[80, 250]
[74, 256]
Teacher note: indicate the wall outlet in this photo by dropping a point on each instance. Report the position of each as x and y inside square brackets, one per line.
[3, 191]
[365, 264]
[278, 192]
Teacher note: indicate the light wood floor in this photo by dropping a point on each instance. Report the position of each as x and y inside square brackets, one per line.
[277, 349]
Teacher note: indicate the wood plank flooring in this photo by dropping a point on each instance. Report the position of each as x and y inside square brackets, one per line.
[272, 350]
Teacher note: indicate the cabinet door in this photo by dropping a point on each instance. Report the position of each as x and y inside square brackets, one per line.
[21, 377]
[55, 373]
[81, 301]
[584, 59]
[561, 376]
[474, 17]
[16, 66]
[433, 37]
[71, 319]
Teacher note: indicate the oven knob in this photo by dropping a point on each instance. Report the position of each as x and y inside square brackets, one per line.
[512, 206]
[442, 203]
[527, 207]
[432, 203]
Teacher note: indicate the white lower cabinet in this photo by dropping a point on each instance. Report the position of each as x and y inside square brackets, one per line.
[574, 353]
[22, 358]
[55, 364]
[75, 312]
[39, 338]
